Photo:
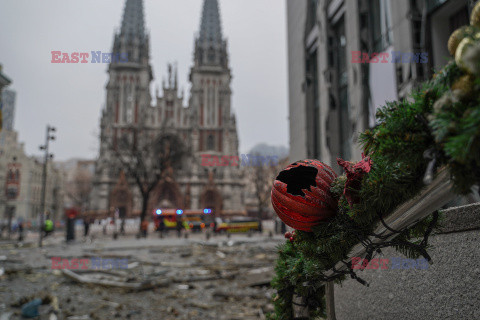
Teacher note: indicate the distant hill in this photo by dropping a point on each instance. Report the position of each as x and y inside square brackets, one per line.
[264, 149]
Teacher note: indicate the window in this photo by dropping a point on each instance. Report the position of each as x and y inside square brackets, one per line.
[11, 176]
[12, 192]
[200, 55]
[129, 111]
[211, 54]
[210, 143]
[169, 109]
[381, 24]
[345, 134]
[433, 4]
[458, 19]
[313, 105]
[311, 14]
[211, 106]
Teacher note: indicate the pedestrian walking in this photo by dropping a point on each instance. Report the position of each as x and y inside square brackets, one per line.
[161, 227]
[144, 228]
[86, 227]
[3, 226]
[104, 226]
[20, 231]
[179, 228]
[122, 227]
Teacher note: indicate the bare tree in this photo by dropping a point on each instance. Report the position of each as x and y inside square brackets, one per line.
[261, 174]
[144, 156]
[79, 189]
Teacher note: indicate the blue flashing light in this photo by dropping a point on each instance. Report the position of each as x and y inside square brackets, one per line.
[179, 211]
[206, 211]
[158, 211]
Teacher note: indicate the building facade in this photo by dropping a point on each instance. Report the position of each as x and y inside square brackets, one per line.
[8, 109]
[205, 124]
[333, 96]
[21, 175]
[4, 81]
[21, 183]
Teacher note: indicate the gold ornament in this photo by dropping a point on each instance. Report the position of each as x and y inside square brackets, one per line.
[463, 87]
[475, 17]
[471, 59]
[460, 34]
[454, 40]
[462, 48]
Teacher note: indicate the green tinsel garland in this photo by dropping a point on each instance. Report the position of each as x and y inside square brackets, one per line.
[442, 118]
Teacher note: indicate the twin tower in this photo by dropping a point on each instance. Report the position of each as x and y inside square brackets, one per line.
[205, 123]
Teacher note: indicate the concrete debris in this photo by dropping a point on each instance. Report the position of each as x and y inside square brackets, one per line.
[6, 315]
[187, 279]
[175, 264]
[201, 305]
[220, 254]
[183, 287]
[132, 265]
[110, 304]
[138, 286]
[261, 270]
[84, 317]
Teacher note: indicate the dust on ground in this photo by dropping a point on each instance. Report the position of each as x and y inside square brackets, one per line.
[170, 278]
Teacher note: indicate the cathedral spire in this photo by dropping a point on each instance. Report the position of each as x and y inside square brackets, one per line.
[132, 39]
[210, 47]
[133, 21]
[210, 27]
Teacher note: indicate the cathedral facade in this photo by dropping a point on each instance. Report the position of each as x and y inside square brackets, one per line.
[204, 123]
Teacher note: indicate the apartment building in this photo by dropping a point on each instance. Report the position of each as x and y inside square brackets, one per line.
[335, 82]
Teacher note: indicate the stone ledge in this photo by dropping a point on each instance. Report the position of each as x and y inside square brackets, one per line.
[461, 218]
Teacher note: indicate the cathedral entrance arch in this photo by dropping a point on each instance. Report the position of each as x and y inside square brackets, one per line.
[166, 195]
[211, 198]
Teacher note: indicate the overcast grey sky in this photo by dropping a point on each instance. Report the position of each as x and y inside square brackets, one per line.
[70, 96]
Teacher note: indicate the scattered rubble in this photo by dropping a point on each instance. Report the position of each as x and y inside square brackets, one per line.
[220, 279]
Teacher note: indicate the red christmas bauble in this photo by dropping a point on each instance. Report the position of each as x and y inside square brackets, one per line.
[301, 194]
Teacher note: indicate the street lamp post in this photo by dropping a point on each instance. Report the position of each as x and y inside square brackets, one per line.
[48, 137]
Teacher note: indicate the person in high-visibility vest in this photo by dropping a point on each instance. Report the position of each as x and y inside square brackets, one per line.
[48, 226]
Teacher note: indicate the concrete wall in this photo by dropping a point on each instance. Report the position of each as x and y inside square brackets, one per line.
[448, 289]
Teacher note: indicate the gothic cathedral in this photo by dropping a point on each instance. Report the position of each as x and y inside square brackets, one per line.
[206, 125]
